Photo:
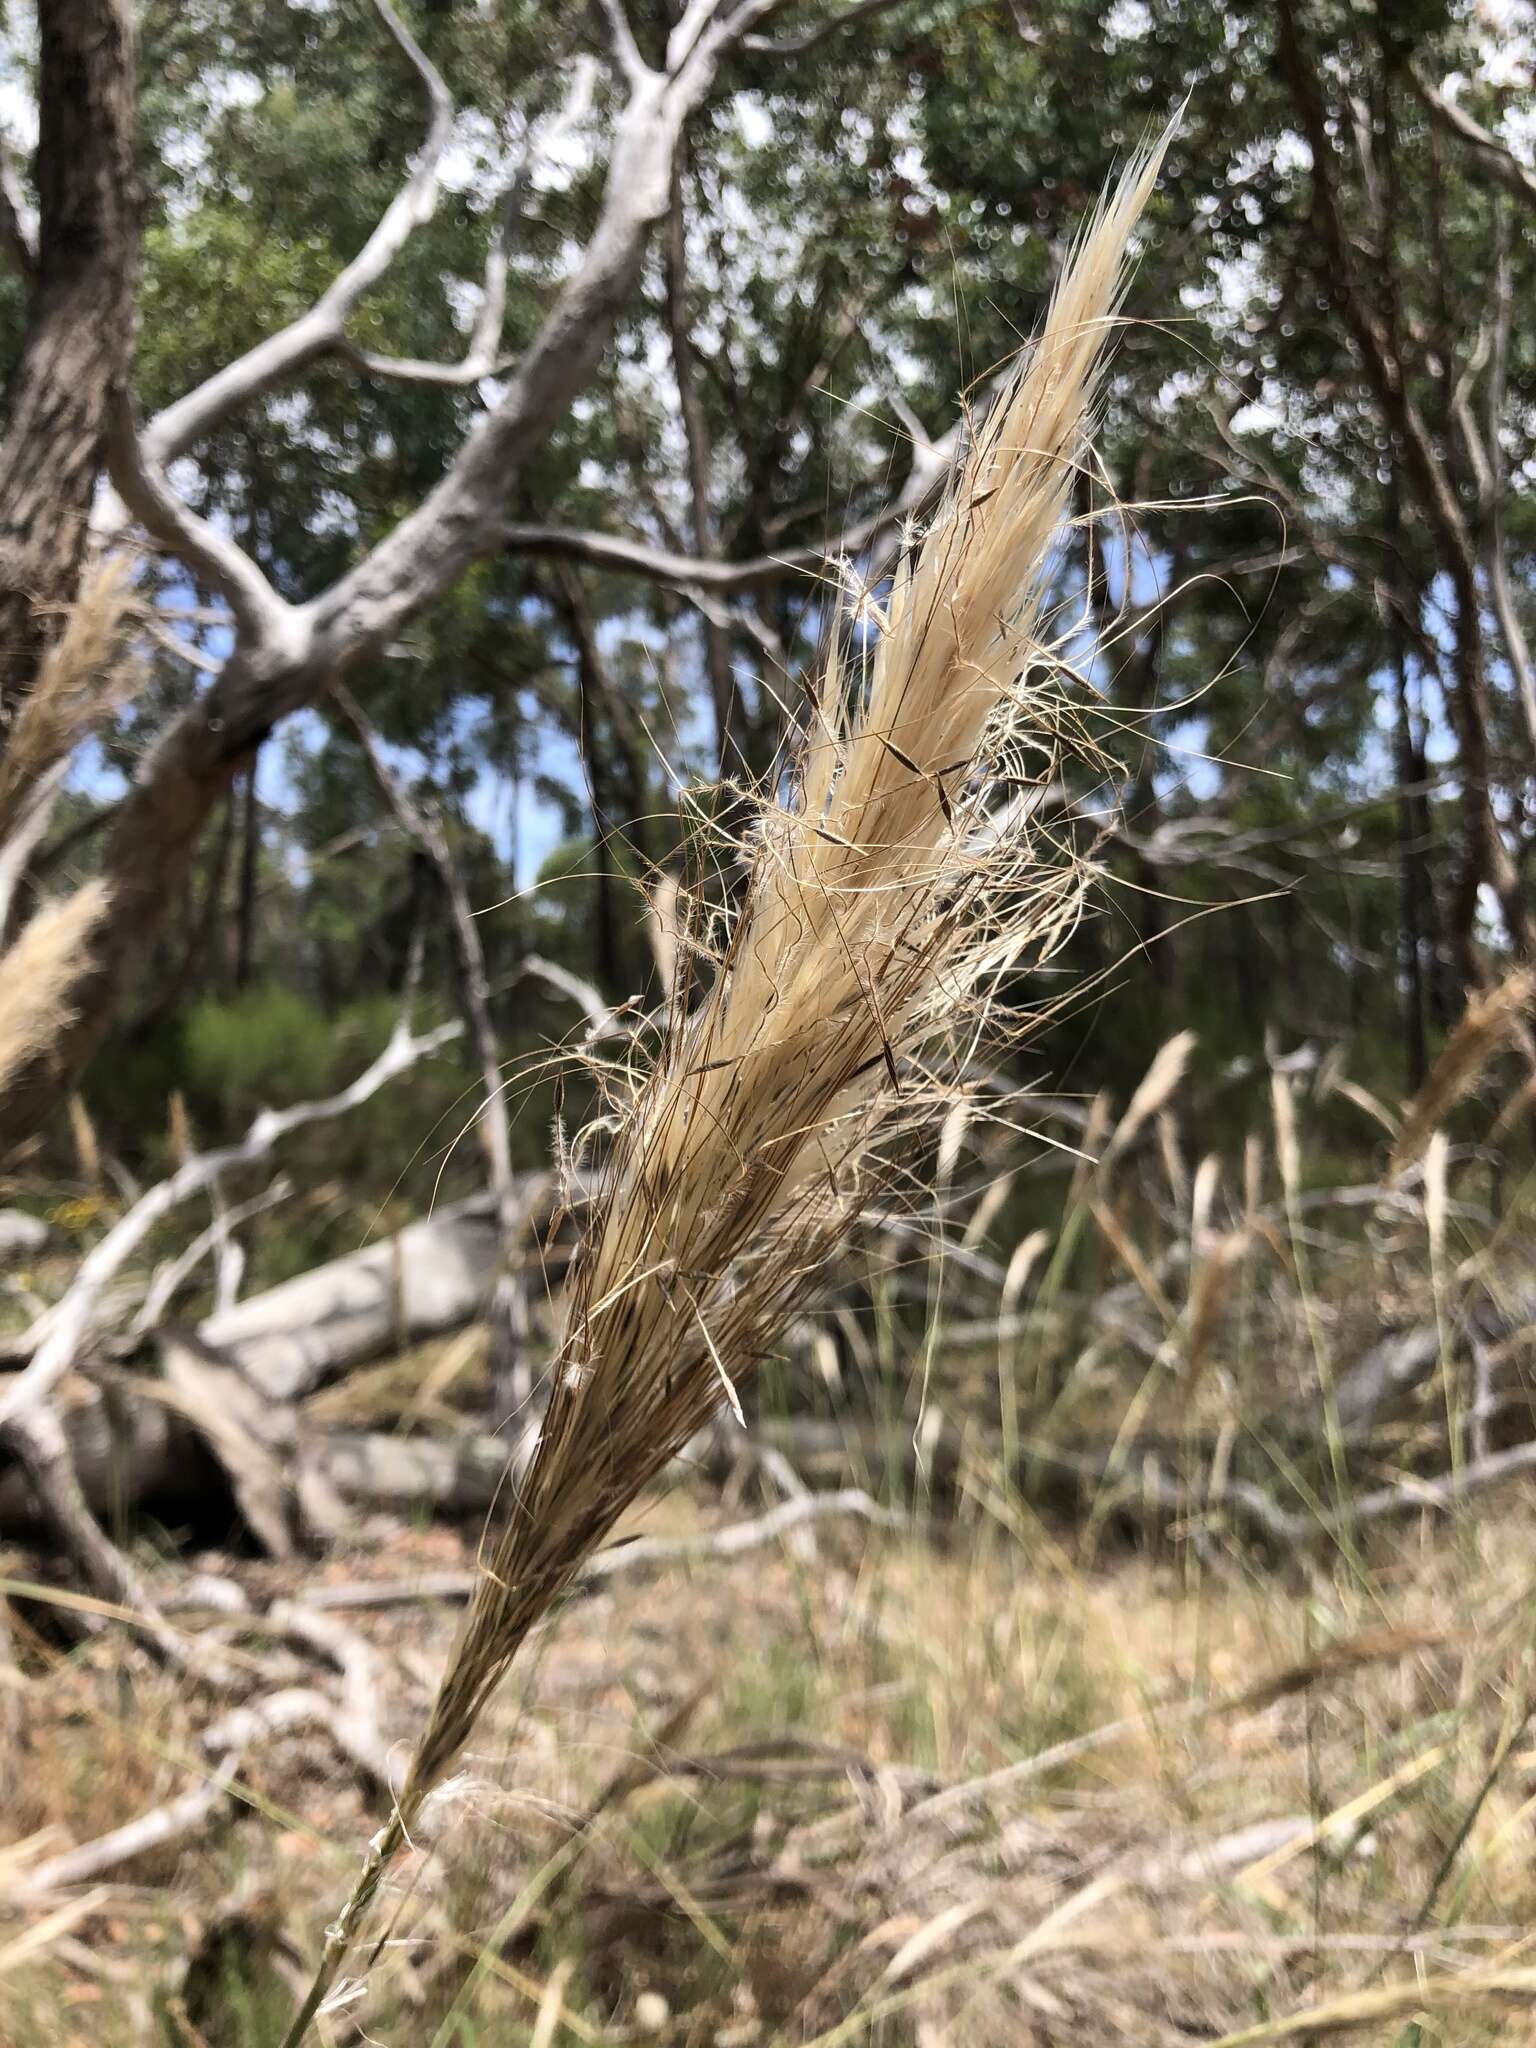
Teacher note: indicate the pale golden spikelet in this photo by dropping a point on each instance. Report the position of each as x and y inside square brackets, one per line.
[879, 904]
[1153, 1091]
[87, 1145]
[39, 971]
[1437, 1197]
[883, 899]
[179, 1140]
[1126, 1250]
[1287, 1135]
[1487, 1024]
[1170, 1146]
[1096, 1128]
[1203, 1201]
[661, 926]
[1025, 1256]
[987, 1209]
[1518, 1106]
[1372, 1105]
[1253, 1178]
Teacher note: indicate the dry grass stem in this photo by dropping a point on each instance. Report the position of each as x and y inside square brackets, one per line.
[1454, 1993]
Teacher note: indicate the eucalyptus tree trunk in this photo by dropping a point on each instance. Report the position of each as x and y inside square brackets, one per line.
[83, 268]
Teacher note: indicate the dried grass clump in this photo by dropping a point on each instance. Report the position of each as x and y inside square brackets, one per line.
[898, 876]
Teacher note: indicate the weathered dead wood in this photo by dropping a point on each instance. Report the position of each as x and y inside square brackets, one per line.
[132, 1450]
[435, 1276]
[641, 1553]
[55, 1342]
[124, 1452]
[39, 1443]
[354, 1721]
[129, 1450]
[1386, 1376]
[246, 1435]
[1136, 1484]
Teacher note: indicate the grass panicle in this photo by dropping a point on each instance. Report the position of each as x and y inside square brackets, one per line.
[1491, 1019]
[39, 971]
[84, 674]
[1153, 1091]
[896, 874]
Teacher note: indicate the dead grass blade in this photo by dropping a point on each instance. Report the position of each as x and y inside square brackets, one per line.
[1449, 1993]
[36, 1940]
[1207, 1299]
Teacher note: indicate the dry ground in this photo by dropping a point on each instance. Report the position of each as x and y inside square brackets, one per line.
[1145, 1774]
[705, 1820]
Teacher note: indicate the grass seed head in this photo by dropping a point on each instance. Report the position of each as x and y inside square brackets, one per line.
[894, 878]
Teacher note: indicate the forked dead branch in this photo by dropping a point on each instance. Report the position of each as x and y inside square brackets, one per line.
[901, 879]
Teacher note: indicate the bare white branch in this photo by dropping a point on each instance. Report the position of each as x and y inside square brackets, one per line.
[461, 517]
[425, 827]
[1485, 452]
[483, 356]
[221, 562]
[175, 1273]
[643, 1553]
[797, 42]
[1500, 165]
[68, 1323]
[227, 1742]
[1506, 611]
[623, 555]
[322, 327]
[626, 51]
[534, 967]
[285, 656]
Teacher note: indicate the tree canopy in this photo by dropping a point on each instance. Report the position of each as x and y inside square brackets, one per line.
[563, 379]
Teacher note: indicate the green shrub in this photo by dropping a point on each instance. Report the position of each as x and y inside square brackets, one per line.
[265, 1046]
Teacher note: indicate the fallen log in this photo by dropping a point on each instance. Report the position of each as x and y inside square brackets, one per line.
[635, 1553]
[61, 1335]
[435, 1276]
[134, 1449]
